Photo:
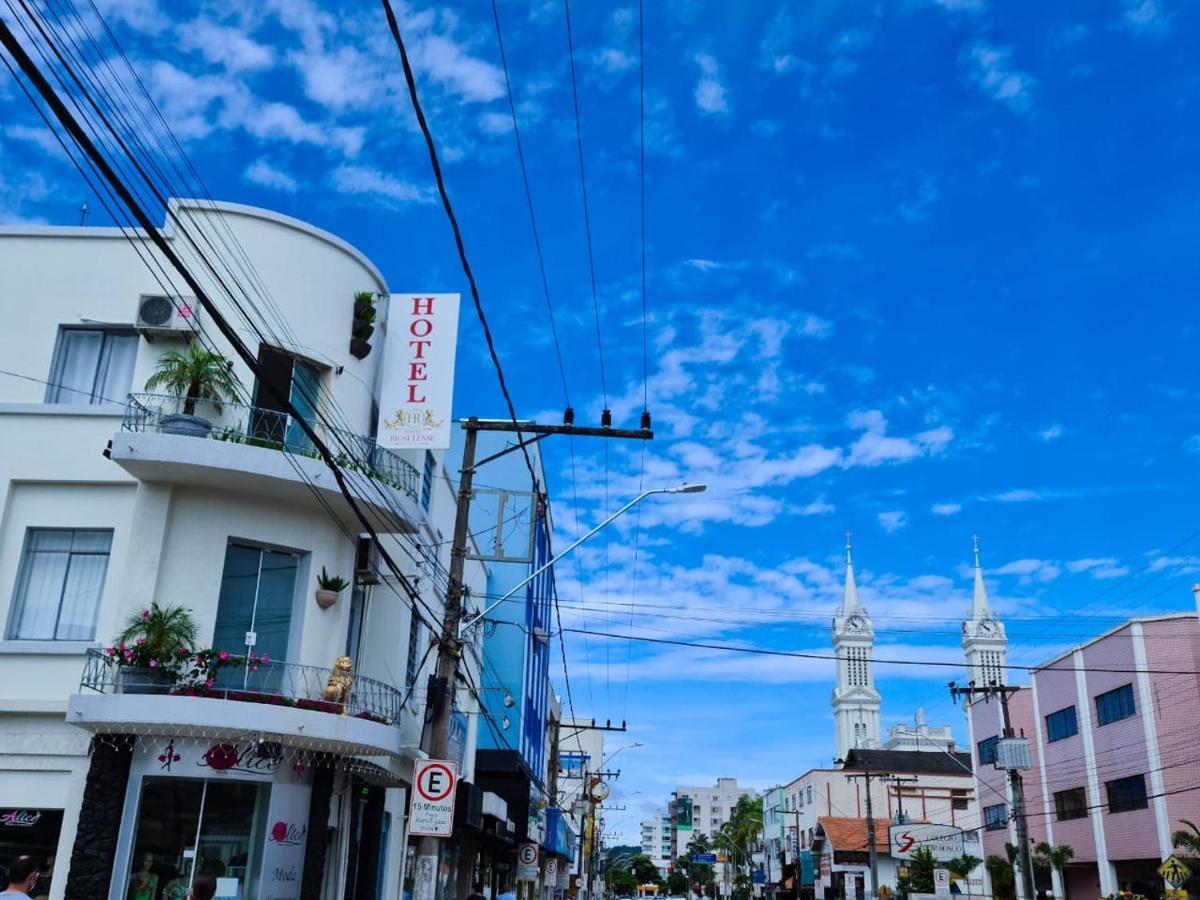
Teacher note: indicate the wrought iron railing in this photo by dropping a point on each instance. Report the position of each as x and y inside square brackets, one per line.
[274, 683]
[240, 424]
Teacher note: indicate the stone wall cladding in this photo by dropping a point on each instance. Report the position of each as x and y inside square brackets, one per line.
[99, 826]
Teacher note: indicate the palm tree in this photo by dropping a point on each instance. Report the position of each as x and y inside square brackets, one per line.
[195, 374]
[1188, 841]
[1055, 858]
[963, 865]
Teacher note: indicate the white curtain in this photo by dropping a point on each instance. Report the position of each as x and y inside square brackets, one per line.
[115, 374]
[74, 376]
[58, 591]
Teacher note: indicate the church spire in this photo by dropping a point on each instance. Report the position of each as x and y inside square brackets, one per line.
[980, 608]
[850, 604]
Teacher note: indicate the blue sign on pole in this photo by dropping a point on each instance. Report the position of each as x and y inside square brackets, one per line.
[705, 858]
[806, 868]
[758, 876]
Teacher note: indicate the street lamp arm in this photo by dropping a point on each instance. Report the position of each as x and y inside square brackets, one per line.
[683, 489]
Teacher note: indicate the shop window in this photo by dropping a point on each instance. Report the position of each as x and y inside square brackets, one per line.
[1061, 724]
[987, 750]
[1070, 804]
[92, 365]
[30, 832]
[60, 584]
[995, 818]
[1114, 705]
[1125, 794]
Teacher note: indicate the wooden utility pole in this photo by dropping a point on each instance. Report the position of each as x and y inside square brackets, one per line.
[872, 856]
[435, 740]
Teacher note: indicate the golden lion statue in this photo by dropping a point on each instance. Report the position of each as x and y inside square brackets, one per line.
[337, 687]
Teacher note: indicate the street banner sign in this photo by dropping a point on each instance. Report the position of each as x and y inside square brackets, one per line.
[945, 842]
[1174, 871]
[527, 862]
[709, 859]
[431, 810]
[417, 383]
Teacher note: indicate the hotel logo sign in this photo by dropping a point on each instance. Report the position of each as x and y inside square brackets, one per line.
[417, 388]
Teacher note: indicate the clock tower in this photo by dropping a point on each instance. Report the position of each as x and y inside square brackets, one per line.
[855, 700]
[983, 639]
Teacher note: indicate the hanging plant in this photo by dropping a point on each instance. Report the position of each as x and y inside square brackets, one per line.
[363, 325]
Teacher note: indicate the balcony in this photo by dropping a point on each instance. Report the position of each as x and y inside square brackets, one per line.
[281, 701]
[264, 452]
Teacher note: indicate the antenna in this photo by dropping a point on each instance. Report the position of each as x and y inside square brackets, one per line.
[83, 214]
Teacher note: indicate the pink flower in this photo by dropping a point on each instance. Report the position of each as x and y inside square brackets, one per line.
[141, 641]
[208, 683]
[128, 654]
[266, 658]
[109, 651]
[121, 646]
[153, 663]
[145, 613]
[223, 655]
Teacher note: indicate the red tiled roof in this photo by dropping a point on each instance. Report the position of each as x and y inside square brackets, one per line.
[851, 834]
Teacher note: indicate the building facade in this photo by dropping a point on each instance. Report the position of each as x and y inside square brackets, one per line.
[656, 843]
[855, 700]
[703, 810]
[278, 756]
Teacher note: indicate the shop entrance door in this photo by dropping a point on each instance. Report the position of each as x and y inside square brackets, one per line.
[188, 827]
[258, 591]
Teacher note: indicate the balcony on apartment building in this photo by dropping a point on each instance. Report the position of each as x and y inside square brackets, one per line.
[264, 452]
[274, 700]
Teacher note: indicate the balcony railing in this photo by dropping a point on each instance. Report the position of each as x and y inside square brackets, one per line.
[274, 683]
[275, 430]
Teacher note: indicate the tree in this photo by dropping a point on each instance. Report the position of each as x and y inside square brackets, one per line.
[195, 374]
[1053, 859]
[645, 871]
[621, 880]
[920, 870]
[677, 883]
[963, 866]
[1003, 880]
[1187, 840]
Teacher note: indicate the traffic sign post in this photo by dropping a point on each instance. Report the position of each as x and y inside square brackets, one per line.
[941, 882]
[1174, 871]
[527, 862]
[431, 809]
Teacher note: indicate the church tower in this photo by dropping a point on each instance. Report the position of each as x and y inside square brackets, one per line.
[855, 700]
[983, 640]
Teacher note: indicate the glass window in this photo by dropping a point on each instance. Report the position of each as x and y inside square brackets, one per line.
[1125, 794]
[1070, 804]
[33, 832]
[1062, 724]
[59, 584]
[427, 480]
[808, 791]
[995, 818]
[92, 365]
[258, 593]
[1114, 705]
[414, 653]
[987, 750]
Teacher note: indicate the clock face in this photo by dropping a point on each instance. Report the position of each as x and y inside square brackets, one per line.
[856, 623]
[987, 626]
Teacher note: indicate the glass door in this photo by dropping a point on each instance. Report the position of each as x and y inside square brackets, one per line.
[306, 383]
[258, 591]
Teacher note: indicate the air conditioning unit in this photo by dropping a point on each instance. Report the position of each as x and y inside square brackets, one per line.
[366, 562]
[166, 315]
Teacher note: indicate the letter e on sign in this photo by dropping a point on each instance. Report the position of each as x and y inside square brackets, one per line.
[431, 806]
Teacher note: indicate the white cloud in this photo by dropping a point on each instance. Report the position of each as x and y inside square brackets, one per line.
[224, 46]
[816, 327]
[470, 78]
[140, 15]
[946, 509]
[818, 507]
[875, 447]
[916, 207]
[1192, 444]
[1030, 570]
[837, 251]
[40, 136]
[1102, 568]
[892, 520]
[1146, 18]
[1051, 433]
[262, 173]
[1018, 495]
[967, 6]
[711, 95]
[495, 123]
[387, 189]
[614, 61]
[990, 68]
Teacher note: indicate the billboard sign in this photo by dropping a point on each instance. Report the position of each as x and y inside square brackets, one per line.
[683, 812]
[417, 386]
[944, 841]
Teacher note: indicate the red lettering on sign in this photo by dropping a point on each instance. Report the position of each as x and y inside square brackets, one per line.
[420, 327]
[412, 395]
[417, 371]
[420, 348]
[422, 306]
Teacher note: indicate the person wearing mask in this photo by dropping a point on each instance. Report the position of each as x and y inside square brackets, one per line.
[22, 876]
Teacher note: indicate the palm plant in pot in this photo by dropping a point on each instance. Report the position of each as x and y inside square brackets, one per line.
[194, 374]
[328, 588]
[363, 325]
[153, 649]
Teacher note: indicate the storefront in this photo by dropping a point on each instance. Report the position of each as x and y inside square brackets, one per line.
[32, 832]
[236, 810]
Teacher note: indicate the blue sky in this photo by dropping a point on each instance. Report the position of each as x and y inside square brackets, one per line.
[917, 269]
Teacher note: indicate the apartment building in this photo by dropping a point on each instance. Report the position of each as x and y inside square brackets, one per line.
[656, 842]
[703, 810]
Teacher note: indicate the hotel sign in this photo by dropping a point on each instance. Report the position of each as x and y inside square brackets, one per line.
[417, 387]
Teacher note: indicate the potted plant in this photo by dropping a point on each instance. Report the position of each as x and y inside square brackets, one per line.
[363, 325]
[328, 588]
[194, 374]
[152, 649]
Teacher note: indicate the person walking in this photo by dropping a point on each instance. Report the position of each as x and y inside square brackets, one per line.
[22, 876]
[477, 894]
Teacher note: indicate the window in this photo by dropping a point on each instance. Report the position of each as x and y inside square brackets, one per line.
[1125, 794]
[987, 750]
[1070, 804]
[427, 480]
[995, 818]
[1115, 705]
[59, 585]
[1062, 724]
[92, 365]
[414, 651]
[808, 791]
[960, 799]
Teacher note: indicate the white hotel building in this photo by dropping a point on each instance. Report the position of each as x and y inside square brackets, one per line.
[103, 510]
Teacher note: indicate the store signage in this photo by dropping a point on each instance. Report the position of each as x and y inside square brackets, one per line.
[20, 818]
[231, 758]
[431, 811]
[527, 862]
[287, 836]
[945, 842]
[418, 371]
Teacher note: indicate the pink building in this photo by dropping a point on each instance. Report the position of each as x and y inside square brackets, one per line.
[1112, 728]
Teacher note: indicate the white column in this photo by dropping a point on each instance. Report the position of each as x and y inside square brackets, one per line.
[1055, 881]
[1146, 709]
[1108, 873]
[987, 878]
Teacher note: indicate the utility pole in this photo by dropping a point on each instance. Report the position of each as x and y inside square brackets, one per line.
[872, 855]
[897, 780]
[440, 700]
[1012, 764]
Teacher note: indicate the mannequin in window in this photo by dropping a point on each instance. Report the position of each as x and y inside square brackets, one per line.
[143, 884]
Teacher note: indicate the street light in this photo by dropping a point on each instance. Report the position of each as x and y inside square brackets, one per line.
[681, 489]
[613, 755]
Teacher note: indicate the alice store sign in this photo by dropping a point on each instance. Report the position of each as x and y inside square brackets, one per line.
[290, 792]
[418, 371]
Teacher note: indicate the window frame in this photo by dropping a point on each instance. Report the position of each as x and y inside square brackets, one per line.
[992, 822]
[1064, 812]
[1126, 804]
[1126, 704]
[54, 383]
[1058, 716]
[988, 756]
[19, 597]
[428, 476]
